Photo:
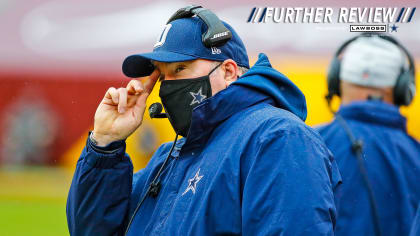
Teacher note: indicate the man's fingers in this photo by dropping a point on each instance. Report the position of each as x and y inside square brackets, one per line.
[122, 104]
[113, 95]
[151, 81]
[140, 105]
[148, 87]
[135, 87]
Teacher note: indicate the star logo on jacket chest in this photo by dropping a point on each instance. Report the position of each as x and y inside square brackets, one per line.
[192, 183]
[197, 97]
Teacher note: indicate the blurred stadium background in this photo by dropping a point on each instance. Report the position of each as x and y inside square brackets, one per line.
[57, 58]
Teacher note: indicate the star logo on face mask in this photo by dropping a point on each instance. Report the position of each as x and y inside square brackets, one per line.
[192, 183]
[198, 97]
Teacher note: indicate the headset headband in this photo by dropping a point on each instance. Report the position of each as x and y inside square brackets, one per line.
[388, 38]
[216, 35]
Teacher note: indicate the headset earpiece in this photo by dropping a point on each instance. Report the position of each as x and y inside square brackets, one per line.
[333, 78]
[404, 89]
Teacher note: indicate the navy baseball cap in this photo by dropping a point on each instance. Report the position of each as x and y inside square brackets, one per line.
[181, 41]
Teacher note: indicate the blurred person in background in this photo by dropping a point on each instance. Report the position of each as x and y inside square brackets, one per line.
[247, 165]
[30, 127]
[379, 162]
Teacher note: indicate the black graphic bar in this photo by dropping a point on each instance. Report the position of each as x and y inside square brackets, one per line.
[411, 15]
[252, 14]
[262, 15]
[400, 15]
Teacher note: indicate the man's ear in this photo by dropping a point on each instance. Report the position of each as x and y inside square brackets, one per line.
[231, 71]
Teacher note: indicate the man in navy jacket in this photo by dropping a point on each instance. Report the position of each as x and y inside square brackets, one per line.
[379, 162]
[247, 164]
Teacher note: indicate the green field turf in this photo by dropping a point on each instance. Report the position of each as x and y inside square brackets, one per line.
[33, 201]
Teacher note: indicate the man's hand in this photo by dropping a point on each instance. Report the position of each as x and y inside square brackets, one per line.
[121, 110]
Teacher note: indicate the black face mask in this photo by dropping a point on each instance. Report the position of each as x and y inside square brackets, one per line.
[179, 97]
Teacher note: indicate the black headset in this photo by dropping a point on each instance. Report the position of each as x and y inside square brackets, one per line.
[216, 35]
[404, 89]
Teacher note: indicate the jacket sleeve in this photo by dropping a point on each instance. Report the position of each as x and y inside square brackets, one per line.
[98, 201]
[288, 184]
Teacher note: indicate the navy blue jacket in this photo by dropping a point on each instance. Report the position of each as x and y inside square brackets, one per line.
[249, 166]
[392, 161]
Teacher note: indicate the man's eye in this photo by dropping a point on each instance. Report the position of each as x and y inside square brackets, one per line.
[179, 69]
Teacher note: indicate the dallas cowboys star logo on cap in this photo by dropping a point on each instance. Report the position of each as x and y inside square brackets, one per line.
[197, 97]
[192, 183]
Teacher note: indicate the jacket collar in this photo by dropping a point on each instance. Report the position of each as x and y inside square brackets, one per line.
[213, 111]
[260, 84]
[376, 112]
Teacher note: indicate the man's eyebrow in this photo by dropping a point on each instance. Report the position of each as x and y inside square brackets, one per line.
[156, 63]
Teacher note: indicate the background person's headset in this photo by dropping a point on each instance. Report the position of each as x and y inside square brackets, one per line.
[216, 35]
[404, 89]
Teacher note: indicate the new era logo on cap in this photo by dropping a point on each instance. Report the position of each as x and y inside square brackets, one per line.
[215, 50]
[181, 40]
